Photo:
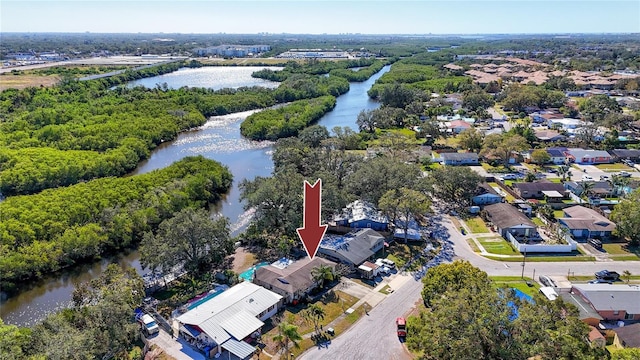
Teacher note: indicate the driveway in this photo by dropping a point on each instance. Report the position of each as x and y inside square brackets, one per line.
[177, 348]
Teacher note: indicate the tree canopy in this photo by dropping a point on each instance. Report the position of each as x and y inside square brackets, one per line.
[626, 215]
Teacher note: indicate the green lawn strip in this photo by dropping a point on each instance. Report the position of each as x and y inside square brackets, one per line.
[555, 180]
[559, 258]
[536, 220]
[615, 249]
[517, 283]
[384, 289]
[473, 245]
[614, 167]
[476, 225]
[629, 257]
[498, 246]
[588, 277]
[558, 214]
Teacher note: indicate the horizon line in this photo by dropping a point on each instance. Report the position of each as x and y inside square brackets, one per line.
[324, 34]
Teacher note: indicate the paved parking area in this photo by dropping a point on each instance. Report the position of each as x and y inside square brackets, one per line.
[177, 348]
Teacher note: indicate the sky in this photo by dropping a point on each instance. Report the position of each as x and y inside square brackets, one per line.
[322, 17]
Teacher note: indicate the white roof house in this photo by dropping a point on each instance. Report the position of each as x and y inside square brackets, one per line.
[233, 315]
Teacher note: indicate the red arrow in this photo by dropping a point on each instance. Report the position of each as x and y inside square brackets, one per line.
[311, 232]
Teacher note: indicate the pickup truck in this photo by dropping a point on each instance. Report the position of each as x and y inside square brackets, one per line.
[401, 326]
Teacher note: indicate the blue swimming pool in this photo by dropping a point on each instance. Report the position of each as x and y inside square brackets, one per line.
[248, 274]
[213, 293]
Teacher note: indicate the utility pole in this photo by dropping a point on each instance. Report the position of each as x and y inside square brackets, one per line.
[524, 261]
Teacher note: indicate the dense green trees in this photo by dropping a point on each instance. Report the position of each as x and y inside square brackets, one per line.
[189, 238]
[43, 232]
[287, 120]
[626, 215]
[492, 323]
[454, 185]
[404, 205]
[597, 107]
[500, 147]
[420, 76]
[518, 98]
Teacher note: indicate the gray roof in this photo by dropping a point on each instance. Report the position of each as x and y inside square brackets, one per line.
[538, 186]
[605, 297]
[629, 335]
[626, 153]
[297, 275]
[586, 311]
[459, 156]
[232, 313]
[355, 247]
[581, 217]
[504, 216]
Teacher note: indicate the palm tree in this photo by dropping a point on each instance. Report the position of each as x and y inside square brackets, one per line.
[314, 314]
[287, 333]
[587, 189]
[619, 183]
[322, 273]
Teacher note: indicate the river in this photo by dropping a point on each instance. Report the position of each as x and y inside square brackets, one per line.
[218, 139]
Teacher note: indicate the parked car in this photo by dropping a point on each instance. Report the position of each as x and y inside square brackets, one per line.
[389, 263]
[401, 327]
[607, 275]
[596, 243]
[587, 178]
[509, 177]
[604, 177]
[547, 281]
[624, 174]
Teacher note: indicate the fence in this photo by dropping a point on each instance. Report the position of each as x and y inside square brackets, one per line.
[543, 248]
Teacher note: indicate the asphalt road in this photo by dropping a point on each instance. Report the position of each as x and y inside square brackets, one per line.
[374, 337]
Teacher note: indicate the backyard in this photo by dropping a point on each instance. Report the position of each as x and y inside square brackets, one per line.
[516, 282]
[400, 253]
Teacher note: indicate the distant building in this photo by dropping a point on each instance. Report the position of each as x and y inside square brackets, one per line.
[459, 158]
[232, 50]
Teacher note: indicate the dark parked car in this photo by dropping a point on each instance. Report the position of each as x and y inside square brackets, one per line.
[607, 275]
[600, 281]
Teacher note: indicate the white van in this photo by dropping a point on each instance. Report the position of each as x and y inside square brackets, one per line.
[389, 263]
[150, 325]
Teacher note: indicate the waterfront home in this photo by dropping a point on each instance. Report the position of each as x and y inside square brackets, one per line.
[353, 248]
[362, 215]
[230, 319]
[293, 281]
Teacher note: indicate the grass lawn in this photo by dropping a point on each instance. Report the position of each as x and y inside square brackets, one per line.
[400, 253]
[546, 258]
[517, 283]
[385, 289]
[495, 169]
[473, 245]
[555, 180]
[477, 225]
[497, 245]
[614, 167]
[12, 81]
[334, 304]
[536, 220]
[558, 214]
[618, 249]
[586, 278]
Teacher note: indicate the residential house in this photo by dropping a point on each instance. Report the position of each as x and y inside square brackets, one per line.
[226, 320]
[585, 223]
[626, 154]
[536, 189]
[293, 281]
[549, 135]
[557, 155]
[486, 195]
[611, 302]
[368, 270]
[596, 339]
[353, 248]
[458, 126]
[627, 336]
[507, 219]
[586, 313]
[565, 123]
[581, 156]
[413, 229]
[600, 189]
[459, 158]
[362, 215]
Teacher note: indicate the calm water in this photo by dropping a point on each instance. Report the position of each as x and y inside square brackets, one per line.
[218, 139]
[213, 77]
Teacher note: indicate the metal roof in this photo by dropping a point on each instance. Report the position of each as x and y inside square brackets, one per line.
[226, 314]
[612, 297]
[239, 348]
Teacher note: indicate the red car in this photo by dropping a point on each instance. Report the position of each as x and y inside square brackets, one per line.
[401, 325]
